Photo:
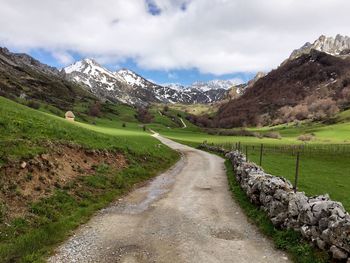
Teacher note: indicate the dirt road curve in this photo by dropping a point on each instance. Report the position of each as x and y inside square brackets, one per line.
[184, 215]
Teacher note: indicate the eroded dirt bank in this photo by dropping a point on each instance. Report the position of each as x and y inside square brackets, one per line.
[25, 182]
[184, 215]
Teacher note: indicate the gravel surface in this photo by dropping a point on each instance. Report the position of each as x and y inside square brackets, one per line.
[184, 215]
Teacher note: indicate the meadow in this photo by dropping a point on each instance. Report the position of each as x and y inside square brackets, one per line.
[24, 133]
[324, 163]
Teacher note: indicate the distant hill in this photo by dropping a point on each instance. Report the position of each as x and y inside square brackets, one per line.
[23, 77]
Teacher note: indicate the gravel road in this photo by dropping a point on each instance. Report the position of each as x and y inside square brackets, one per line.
[184, 215]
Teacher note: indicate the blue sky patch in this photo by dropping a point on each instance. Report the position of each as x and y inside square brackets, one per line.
[152, 8]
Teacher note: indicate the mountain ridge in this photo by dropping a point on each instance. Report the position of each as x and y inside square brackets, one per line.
[25, 78]
[335, 46]
[128, 87]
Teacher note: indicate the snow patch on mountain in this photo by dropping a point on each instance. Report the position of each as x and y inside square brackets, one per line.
[131, 78]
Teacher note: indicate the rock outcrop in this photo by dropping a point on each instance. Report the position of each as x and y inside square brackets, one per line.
[340, 45]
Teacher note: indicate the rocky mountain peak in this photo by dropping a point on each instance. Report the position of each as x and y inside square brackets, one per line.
[330, 45]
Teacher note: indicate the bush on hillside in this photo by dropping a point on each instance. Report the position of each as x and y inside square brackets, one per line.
[240, 132]
[273, 135]
[323, 108]
[143, 115]
[312, 108]
[95, 109]
[344, 99]
[305, 137]
[33, 104]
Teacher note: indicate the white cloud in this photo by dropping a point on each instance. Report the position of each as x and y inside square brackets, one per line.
[63, 57]
[214, 36]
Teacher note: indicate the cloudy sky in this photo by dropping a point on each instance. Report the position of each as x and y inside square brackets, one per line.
[170, 40]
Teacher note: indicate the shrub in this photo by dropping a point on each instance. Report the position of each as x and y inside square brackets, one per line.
[305, 137]
[345, 97]
[273, 135]
[143, 115]
[323, 108]
[311, 108]
[300, 112]
[2, 212]
[124, 125]
[95, 109]
[240, 132]
[33, 104]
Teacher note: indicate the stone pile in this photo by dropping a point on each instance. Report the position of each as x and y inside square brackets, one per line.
[322, 221]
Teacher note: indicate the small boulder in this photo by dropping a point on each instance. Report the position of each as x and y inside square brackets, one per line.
[338, 253]
[23, 165]
[321, 244]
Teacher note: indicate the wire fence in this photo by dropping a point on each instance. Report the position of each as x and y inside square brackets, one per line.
[289, 159]
[302, 149]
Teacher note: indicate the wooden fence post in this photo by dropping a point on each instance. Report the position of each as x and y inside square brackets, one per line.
[296, 172]
[261, 153]
[246, 153]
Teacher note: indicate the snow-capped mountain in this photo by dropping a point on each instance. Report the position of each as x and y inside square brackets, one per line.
[340, 45]
[100, 81]
[128, 87]
[214, 85]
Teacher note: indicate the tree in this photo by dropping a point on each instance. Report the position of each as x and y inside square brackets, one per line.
[143, 115]
[95, 109]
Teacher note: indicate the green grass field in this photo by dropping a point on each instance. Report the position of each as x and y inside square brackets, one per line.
[325, 170]
[319, 173]
[23, 133]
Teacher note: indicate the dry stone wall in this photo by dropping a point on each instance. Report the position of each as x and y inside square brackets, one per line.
[322, 221]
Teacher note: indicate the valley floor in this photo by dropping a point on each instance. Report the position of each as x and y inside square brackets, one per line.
[184, 215]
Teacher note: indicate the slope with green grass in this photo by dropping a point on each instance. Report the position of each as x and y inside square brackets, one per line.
[24, 133]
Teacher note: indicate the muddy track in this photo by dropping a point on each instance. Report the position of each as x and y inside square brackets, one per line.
[184, 215]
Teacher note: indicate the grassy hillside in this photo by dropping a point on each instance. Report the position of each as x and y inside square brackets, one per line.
[26, 133]
[195, 109]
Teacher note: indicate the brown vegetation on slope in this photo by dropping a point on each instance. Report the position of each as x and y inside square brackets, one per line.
[317, 76]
